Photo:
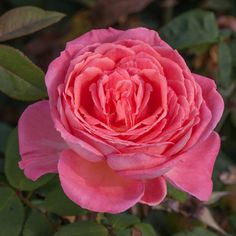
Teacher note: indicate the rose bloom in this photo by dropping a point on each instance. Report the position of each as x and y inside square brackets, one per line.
[125, 116]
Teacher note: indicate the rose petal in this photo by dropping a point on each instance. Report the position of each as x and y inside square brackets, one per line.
[205, 117]
[114, 51]
[213, 100]
[173, 55]
[110, 35]
[39, 142]
[96, 36]
[193, 173]
[56, 75]
[133, 161]
[148, 36]
[95, 186]
[84, 148]
[155, 191]
[140, 165]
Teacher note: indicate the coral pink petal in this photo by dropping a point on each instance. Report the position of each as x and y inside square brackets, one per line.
[155, 191]
[143, 34]
[111, 35]
[96, 36]
[140, 165]
[213, 100]
[39, 142]
[193, 173]
[95, 186]
[133, 161]
[56, 75]
[80, 146]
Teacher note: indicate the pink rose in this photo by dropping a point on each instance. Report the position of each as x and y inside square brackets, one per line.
[124, 115]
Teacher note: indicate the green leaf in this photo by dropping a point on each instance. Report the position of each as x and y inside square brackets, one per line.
[218, 5]
[57, 202]
[26, 20]
[193, 28]
[196, 232]
[225, 64]
[11, 213]
[83, 228]
[14, 174]
[122, 221]
[19, 77]
[176, 194]
[122, 232]
[146, 229]
[4, 132]
[37, 225]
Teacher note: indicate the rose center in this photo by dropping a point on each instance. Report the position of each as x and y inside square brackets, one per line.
[120, 104]
[122, 99]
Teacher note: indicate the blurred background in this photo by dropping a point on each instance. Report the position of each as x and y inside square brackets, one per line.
[204, 32]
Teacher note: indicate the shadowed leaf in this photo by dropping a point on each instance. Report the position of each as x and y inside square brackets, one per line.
[122, 221]
[196, 232]
[25, 20]
[56, 201]
[193, 28]
[37, 225]
[19, 77]
[83, 228]
[11, 213]
[146, 229]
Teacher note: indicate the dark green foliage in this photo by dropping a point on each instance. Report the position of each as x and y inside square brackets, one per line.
[11, 212]
[37, 224]
[58, 203]
[19, 77]
[83, 229]
[25, 20]
[193, 28]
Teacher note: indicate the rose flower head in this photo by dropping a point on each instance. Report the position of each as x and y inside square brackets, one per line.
[125, 116]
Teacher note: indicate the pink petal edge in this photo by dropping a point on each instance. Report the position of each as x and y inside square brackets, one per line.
[39, 142]
[155, 191]
[95, 186]
[193, 174]
[213, 99]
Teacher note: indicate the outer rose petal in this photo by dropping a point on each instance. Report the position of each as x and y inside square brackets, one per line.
[95, 186]
[155, 191]
[111, 35]
[213, 100]
[39, 142]
[96, 36]
[56, 75]
[148, 36]
[193, 173]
